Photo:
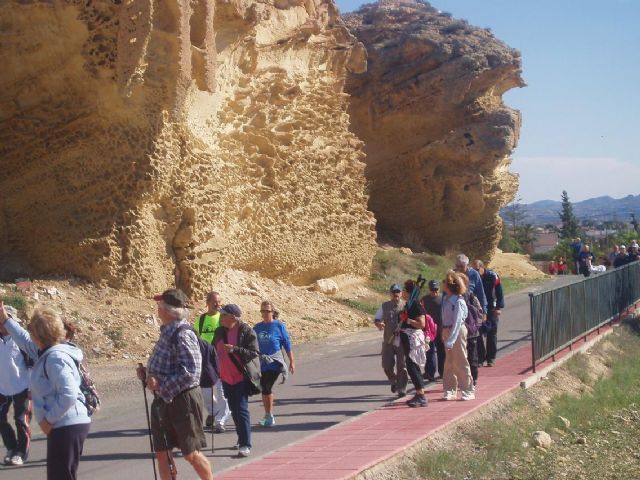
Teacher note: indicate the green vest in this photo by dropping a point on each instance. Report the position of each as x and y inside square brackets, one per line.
[206, 325]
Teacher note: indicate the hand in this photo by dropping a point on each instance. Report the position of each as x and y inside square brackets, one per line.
[291, 368]
[228, 347]
[380, 325]
[4, 316]
[497, 312]
[45, 427]
[141, 372]
[152, 383]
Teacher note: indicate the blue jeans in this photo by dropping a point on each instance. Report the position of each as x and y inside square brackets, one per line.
[238, 400]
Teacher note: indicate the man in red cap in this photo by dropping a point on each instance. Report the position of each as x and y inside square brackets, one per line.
[173, 375]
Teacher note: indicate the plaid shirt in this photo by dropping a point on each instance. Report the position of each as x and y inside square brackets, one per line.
[177, 367]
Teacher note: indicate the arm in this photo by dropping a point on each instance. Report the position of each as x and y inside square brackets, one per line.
[479, 292]
[460, 313]
[377, 319]
[286, 344]
[499, 294]
[190, 365]
[21, 337]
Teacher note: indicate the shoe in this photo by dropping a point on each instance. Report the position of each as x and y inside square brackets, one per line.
[7, 457]
[244, 451]
[490, 363]
[268, 421]
[402, 394]
[209, 421]
[394, 389]
[418, 401]
[470, 395]
[449, 396]
[16, 460]
[219, 428]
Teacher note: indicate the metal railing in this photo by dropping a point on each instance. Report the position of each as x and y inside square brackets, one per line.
[562, 315]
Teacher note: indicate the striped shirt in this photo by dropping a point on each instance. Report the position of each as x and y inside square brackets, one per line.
[177, 367]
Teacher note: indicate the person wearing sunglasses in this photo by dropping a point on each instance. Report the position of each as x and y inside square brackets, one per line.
[273, 337]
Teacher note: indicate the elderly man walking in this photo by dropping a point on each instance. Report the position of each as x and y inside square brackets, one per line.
[495, 303]
[393, 361]
[173, 375]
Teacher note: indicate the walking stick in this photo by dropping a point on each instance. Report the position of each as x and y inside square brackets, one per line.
[146, 409]
[213, 427]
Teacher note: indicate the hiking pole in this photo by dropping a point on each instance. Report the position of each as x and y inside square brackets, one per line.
[214, 421]
[146, 409]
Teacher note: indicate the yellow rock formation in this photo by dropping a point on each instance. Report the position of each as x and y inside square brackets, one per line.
[437, 134]
[150, 142]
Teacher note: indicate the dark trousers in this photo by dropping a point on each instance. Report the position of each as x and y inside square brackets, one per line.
[441, 353]
[19, 443]
[492, 337]
[472, 355]
[64, 449]
[412, 368]
[432, 361]
[238, 400]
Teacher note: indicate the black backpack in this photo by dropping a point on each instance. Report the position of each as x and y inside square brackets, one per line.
[209, 372]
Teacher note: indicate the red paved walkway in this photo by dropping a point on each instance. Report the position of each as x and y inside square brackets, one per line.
[348, 448]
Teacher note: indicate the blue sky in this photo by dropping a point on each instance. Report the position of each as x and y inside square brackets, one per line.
[580, 110]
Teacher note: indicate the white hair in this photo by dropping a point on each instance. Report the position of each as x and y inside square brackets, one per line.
[462, 258]
[178, 313]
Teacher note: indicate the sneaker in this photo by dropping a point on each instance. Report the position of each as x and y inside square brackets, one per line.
[236, 446]
[394, 389]
[402, 394]
[470, 395]
[418, 401]
[268, 421]
[219, 428]
[449, 396]
[7, 457]
[490, 363]
[244, 451]
[209, 421]
[16, 460]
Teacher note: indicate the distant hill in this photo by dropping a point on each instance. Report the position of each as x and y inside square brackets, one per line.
[598, 209]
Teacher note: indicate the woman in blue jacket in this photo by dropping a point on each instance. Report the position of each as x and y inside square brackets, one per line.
[55, 389]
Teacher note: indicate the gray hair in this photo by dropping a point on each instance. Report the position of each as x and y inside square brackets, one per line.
[462, 258]
[178, 313]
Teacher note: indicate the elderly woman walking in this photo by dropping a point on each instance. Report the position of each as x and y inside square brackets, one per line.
[457, 372]
[55, 389]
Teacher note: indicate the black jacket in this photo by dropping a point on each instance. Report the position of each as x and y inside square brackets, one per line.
[493, 290]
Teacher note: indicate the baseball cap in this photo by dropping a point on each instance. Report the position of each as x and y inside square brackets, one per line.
[174, 297]
[231, 309]
[434, 285]
[395, 288]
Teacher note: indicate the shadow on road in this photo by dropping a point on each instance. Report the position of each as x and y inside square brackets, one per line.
[119, 433]
[350, 383]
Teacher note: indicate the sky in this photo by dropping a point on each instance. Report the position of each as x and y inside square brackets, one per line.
[580, 110]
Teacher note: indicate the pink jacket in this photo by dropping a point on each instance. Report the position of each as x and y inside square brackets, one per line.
[430, 328]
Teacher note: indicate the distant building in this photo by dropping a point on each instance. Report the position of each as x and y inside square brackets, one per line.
[545, 242]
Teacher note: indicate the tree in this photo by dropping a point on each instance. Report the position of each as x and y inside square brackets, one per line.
[634, 222]
[525, 236]
[570, 227]
[515, 214]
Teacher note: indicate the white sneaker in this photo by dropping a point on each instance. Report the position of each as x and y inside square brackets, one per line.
[16, 460]
[7, 457]
[470, 395]
[449, 396]
[244, 451]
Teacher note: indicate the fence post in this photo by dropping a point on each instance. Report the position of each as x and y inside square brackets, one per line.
[568, 287]
[584, 304]
[533, 337]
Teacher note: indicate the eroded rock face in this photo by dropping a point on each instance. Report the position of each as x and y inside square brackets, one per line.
[150, 142]
[437, 134]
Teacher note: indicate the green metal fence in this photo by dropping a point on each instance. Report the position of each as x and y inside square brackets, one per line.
[562, 315]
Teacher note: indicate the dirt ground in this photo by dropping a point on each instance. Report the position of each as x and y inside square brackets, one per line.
[515, 265]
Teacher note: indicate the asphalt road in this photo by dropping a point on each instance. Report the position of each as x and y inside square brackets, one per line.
[335, 380]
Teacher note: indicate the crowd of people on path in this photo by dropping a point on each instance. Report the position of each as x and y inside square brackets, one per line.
[584, 261]
[450, 333]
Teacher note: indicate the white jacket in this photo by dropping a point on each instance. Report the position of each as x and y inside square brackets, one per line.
[14, 374]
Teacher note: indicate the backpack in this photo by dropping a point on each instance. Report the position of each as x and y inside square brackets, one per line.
[209, 372]
[474, 315]
[90, 396]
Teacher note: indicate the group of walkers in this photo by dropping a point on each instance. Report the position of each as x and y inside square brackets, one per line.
[225, 356]
[584, 260]
[443, 332]
[230, 360]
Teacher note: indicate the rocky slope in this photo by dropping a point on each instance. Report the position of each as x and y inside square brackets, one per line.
[150, 143]
[437, 134]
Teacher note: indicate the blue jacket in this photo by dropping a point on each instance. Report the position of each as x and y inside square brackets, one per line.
[476, 287]
[55, 394]
[14, 374]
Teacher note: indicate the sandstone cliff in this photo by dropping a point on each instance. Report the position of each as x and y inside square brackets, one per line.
[144, 142]
[437, 134]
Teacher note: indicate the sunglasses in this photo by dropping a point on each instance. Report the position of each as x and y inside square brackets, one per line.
[263, 311]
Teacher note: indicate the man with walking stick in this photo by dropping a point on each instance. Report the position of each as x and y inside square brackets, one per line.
[173, 375]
